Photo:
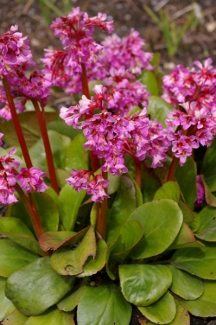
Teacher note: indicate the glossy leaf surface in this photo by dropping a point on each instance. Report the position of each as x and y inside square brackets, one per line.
[204, 306]
[161, 221]
[161, 312]
[36, 287]
[197, 261]
[103, 305]
[51, 318]
[6, 306]
[207, 228]
[71, 261]
[186, 285]
[68, 203]
[143, 285]
[13, 257]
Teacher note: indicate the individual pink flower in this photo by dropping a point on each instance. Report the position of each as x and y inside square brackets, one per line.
[94, 185]
[32, 180]
[14, 51]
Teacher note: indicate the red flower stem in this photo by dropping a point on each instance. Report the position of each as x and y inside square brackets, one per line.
[30, 207]
[42, 124]
[84, 78]
[138, 174]
[101, 215]
[172, 169]
[17, 125]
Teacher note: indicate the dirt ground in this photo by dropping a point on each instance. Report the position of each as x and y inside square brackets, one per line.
[198, 43]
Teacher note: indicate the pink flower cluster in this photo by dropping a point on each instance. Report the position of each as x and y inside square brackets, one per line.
[28, 179]
[94, 185]
[15, 58]
[110, 136]
[193, 93]
[75, 32]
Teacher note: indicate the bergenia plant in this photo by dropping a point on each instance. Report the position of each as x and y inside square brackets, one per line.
[108, 204]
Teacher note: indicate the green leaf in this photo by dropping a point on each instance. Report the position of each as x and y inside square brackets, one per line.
[114, 181]
[199, 261]
[59, 144]
[71, 301]
[186, 177]
[69, 202]
[103, 305]
[188, 215]
[209, 167]
[30, 127]
[47, 210]
[185, 285]
[181, 318]
[52, 240]
[131, 233]
[148, 79]
[161, 221]
[185, 238]
[143, 285]
[123, 205]
[207, 228]
[204, 306]
[158, 109]
[71, 261]
[51, 318]
[36, 287]
[55, 239]
[17, 231]
[13, 257]
[209, 196]
[61, 175]
[150, 183]
[170, 190]
[6, 306]
[95, 264]
[62, 128]
[161, 312]
[77, 156]
[15, 318]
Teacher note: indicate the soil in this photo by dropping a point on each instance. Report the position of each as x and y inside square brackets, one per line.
[198, 43]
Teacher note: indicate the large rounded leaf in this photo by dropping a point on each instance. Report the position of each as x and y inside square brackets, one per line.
[161, 312]
[181, 318]
[53, 317]
[36, 287]
[143, 285]
[13, 257]
[6, 306]
[93, 265]
[15, 318]
[123, 205]
[207, 229]
[199, 261]
[17, 231]
[205, 306]
[71, 261]
[186, 285]
[131, 233]
[170, 190]
[76, 155]
[186, 177]
[158, 109]
[103, 305]
[59, 144]
[161, 221]
[69, 203]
